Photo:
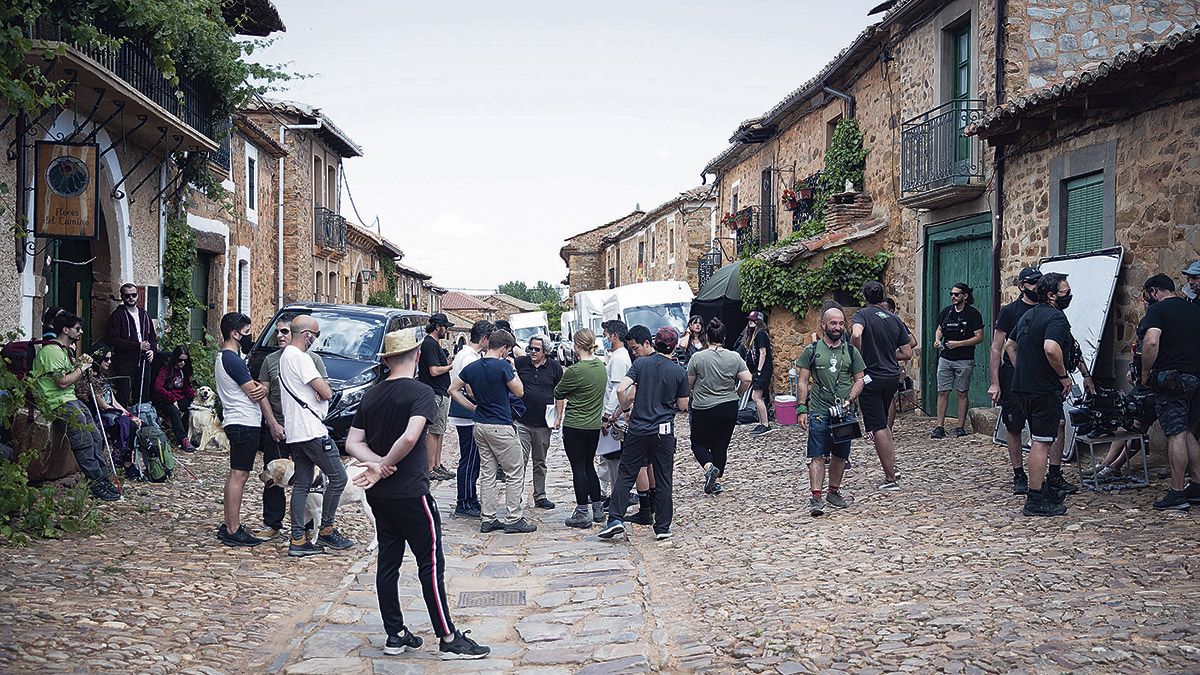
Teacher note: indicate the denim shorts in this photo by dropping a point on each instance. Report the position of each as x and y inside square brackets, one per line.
[820, 441]
[1179, 410]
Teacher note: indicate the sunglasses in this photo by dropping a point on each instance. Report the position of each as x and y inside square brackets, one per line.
[285, 331]
[314, 333]
[534, 349]
[181, 361]
[956, 293]
[129, 295]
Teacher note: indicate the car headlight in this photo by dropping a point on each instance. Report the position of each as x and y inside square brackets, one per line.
[351, 397]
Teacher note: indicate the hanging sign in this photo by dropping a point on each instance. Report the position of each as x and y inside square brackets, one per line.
[66, 190]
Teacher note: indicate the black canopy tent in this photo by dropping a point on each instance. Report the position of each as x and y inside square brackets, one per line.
[721, 296]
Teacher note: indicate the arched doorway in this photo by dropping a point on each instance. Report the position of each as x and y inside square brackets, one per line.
[359, 286]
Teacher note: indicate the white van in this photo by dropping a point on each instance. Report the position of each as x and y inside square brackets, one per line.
[527, 324]
[652, 304]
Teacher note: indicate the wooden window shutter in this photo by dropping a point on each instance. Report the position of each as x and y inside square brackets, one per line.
[1085, 214]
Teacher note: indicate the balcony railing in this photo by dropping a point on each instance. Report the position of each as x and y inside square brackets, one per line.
[192, 102]
[329, 229]
[223, 156]
[938, 163]
[760, 230]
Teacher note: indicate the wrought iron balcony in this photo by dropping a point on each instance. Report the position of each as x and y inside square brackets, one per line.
[223, 156]
[192, 102]
[940, 166]
[759, 230]
[329, 229]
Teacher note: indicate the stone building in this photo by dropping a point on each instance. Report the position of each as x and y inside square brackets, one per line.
[468, 307]
[506, 305]
[1107, 158]
[432, 299]
[137, 121]
[664, 244]
[583, 256]
[914, 82]
[411, 291]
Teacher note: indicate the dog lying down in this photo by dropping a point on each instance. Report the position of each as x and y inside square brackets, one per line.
[280, 472]
[204, 429]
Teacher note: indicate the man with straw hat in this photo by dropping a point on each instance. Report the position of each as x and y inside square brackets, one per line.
[388, 435]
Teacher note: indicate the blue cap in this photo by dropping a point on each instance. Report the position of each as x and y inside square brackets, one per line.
[1193, 269]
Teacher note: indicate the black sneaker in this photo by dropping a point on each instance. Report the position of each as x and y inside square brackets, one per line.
[1192, 492]
[306, 549]
[543, 503]
[960, 432]
[462, 647]
[816, 507]
[710, 479]
[1175, 500]
[490, 526]
[835, 499]
[334, 540]
[1039, 503]
[1020, 483]
[239, 538]
[613, 528]
[717, 488]
[1060, 484]
[642, 517]
[133, 473]
[938, 432]
[662, 535]
[398, 644]
[760, 430]
[466, 512]
[521, 526]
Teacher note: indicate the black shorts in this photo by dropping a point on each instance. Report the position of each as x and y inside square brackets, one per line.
[1011, 414]
[1179, 410]
[1045, 413]
[243, 446]
[875, 400]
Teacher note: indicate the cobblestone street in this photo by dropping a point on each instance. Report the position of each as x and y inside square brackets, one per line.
[943, 576]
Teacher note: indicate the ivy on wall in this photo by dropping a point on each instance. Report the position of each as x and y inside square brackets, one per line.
[799, 289]
[391, 275]
[179, 259]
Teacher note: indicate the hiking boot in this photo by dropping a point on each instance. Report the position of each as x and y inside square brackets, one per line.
[614, 527]
[710, 479]
[1175, 500]
[938, 432]
[581, 518]
[543, 503]
[835, 499]
[442, 473]
[239, 538]
[760, 430]
[461, 647]
[1020, 483]
[1060, 484]
[816, 507]
[959, 432]
[267, 533]
[598, 509]
[398, 644]
[1192, 492]
[186, 445]
[466, 512]
[521, 526]
[889, 486]
[662, 535]
[334, 539]
[1038, 503]
[490, 526]
[305, 549]
[104, 490]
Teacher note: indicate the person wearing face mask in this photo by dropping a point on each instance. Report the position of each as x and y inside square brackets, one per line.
[615, 332]
[1192, 288]
[1039, 349]
[241, 419]
[1001, 371]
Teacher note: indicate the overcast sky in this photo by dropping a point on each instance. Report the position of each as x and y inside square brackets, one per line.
[494, 130]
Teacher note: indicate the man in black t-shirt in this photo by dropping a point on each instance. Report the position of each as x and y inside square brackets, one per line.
[959, 329]
[434, 371]
[539, 374]
[1001, 371]
[1171, 366]
[1039, 349]
[388, 436]
[883, 340]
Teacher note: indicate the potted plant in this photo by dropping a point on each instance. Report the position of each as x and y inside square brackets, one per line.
[804, 190]
[790, 200]
[736, 221]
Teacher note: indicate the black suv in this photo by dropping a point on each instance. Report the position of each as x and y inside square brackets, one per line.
[350, 342]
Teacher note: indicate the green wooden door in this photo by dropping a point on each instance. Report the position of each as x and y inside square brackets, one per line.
[960, 251]
[70, 281]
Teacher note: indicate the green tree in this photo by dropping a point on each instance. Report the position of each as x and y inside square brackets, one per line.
[517, 289]
[553, 310]
[544, 291]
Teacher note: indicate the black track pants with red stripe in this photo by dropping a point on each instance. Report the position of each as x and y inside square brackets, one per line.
[415, 522]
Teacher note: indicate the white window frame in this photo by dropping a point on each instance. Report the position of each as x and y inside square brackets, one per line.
[244, 291]
[251, 182]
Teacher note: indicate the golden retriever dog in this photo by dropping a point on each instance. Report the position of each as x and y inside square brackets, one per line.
[204, 429]
[280, 472]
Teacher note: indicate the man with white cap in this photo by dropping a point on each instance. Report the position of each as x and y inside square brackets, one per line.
[388, 436]
[1192, 289]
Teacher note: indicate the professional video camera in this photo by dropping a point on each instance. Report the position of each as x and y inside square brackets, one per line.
[1107, 410]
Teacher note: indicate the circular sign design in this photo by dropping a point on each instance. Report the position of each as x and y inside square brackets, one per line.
[67, 176]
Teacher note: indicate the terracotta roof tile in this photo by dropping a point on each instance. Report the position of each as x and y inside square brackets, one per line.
[455, 300]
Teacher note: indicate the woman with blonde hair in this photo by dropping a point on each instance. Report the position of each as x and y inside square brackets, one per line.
[581, 391]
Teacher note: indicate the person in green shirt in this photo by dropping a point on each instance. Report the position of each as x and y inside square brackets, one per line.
[54, 375]
[835, 368]
[582, 386]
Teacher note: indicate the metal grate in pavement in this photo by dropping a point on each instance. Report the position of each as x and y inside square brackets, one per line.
[491, 598]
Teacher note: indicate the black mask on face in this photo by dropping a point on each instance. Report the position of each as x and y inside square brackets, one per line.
[1029, 293]
[247, 343]
[1150, 299]
[1063, 301]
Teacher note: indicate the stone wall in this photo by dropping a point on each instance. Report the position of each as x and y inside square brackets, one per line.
[1055, 39]
[584, 255]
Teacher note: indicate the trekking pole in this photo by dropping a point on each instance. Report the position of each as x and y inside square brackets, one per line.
[107, 448]
[196, 478]
[141, 377]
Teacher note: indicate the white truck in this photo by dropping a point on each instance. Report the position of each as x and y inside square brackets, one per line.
[652, 304]
[527, 324]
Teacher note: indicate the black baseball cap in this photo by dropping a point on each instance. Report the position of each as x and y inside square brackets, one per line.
[1029, 275]
[439, 319]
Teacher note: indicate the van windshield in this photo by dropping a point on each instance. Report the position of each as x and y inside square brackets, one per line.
[345, 336]
[523, 334]
[657, 316]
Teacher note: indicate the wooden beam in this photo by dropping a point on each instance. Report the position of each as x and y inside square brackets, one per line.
[1034, 123]
[1070, 112]
[1159, 78]
[1103, 101]
[1003, 139]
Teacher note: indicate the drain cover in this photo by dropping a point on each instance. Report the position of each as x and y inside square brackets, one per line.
[491, 598]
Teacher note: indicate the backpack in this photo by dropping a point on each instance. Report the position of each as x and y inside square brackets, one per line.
[157, 456]
[18, 359]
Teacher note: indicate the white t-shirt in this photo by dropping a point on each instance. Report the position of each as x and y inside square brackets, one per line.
[465, 356]
[231, 373]
[137, 324]
[618, 365]
[296, 370]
